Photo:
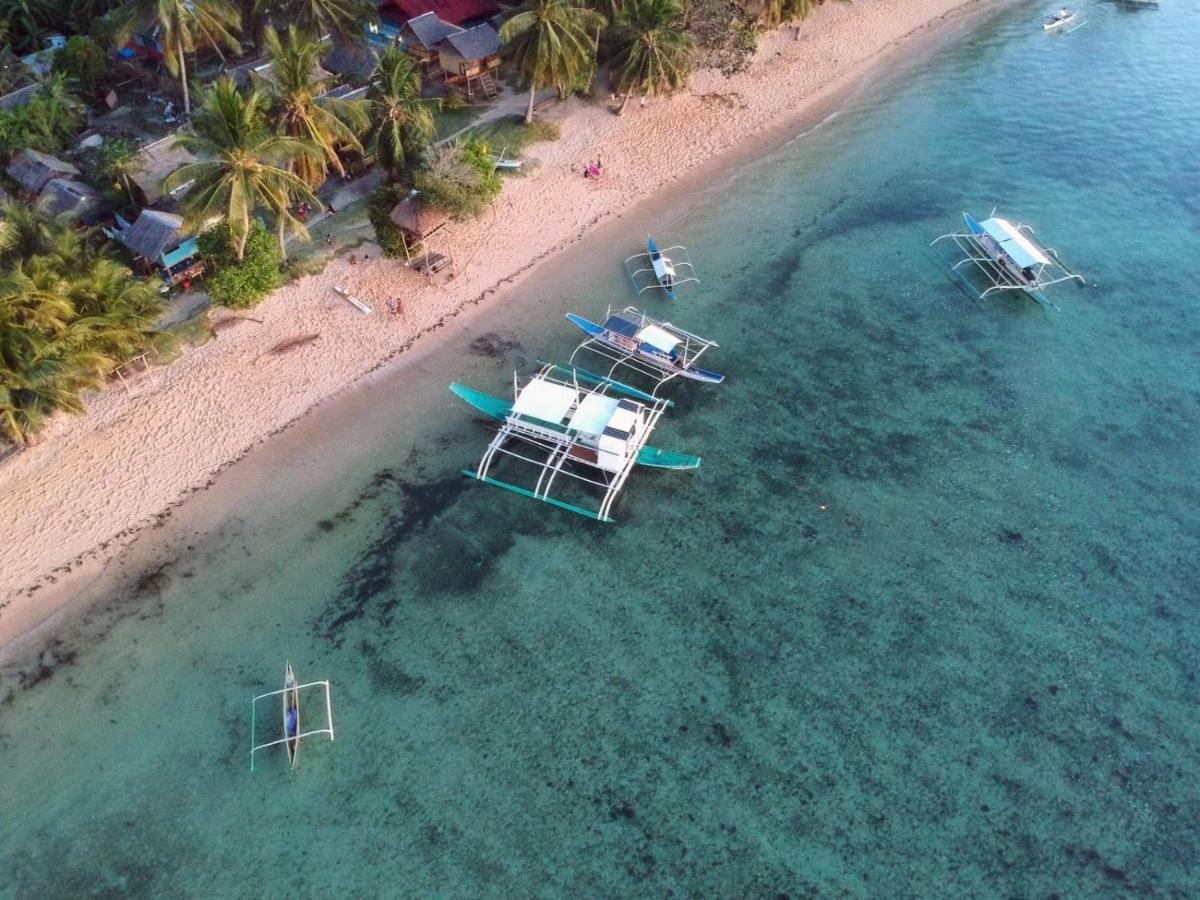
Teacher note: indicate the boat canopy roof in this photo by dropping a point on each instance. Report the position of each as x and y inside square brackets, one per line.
[594, 414]
[545, 400]
[1019, 248]
[658, 338]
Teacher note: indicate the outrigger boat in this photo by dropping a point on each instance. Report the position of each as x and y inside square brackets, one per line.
[630, 339]
[1060, 19]
[292, 734]
[591, 429]
[667, 273]
[1010, 257]
[505, 164]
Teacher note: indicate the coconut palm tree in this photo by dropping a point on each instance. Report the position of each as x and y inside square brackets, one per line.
[654, 53]
[187, 25]
[342, 18]
[403, 122]
[550, 43]
[300, 112]
[241, 165]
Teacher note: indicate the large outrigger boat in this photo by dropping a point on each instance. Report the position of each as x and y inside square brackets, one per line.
[591, 429]
[630, 340]
[292, 735]
[1009, 257]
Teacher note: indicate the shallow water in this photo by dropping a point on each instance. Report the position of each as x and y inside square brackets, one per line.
[924, 624]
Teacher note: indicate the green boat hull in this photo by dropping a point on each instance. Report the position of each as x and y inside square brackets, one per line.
[498, 409]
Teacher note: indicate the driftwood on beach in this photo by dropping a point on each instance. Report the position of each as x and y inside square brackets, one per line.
[287, 345]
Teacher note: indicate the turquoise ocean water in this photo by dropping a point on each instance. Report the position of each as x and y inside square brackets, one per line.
[924, 625]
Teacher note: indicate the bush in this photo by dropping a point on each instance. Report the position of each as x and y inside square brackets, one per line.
[240, 284]
[461, 179]
[47, 121]
[380, 203]
[82, 62]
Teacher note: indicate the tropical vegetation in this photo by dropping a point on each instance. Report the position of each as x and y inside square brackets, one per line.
[47, 121]
[325, 124]
[242, 167]
[402, 122]
[240, 282]
[68, 315]
[461, 179]
[550, 43]
[653, 52]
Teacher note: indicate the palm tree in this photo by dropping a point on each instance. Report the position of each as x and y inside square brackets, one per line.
[342, 18]
[300, 112]
[186, 25]
[549, 43]
[654, 53]
[404, 125]
[241, 165]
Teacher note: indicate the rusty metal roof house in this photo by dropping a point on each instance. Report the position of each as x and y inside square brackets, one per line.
[32, 169]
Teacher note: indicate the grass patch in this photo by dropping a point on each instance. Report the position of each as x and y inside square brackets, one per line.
[448, 121]
[190, 332]
[511, 132]
[349, 229]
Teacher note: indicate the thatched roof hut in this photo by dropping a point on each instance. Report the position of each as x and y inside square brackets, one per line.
[78, 201]
[153, 233]
[32, 169]
[416, 219]
[154, 163]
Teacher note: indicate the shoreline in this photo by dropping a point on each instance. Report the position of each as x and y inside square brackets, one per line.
[181, 427]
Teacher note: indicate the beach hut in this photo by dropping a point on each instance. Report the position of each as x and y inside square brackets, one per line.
[32, 169]
[469, 58]
[421, 34]
[154, 163]
[157, 240]
[419, 225]
[77, 201]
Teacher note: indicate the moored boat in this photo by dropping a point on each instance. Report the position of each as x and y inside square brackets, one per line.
[667, 272]
[1060, 19]
[291, 715]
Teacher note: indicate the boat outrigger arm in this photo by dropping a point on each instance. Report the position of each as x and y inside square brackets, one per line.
[328, 729]
[593, 435]
[1010, 257]
[629, 339]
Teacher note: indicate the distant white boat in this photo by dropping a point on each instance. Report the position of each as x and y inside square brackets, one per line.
[1060, 19]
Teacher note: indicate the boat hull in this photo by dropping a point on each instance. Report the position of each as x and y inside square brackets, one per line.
[291, 700]
[654, 358]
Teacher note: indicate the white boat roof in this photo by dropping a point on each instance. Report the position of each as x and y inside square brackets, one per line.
[593, 414]
[1018, 247]
[658, 338]
[545, 400]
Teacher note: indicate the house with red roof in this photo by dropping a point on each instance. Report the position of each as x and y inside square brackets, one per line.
[456, 12]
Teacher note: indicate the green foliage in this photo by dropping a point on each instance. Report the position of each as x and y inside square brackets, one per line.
[342, 18]
[654, 53]
[83, 64]
[551, 43]
[403, 122]
[380, 203]
[68, 315]
[461, 179]
[47, 122]
[234, 282]
[241, 165]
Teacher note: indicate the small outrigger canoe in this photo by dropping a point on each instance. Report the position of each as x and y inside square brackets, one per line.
[291, 714]
[667, 274]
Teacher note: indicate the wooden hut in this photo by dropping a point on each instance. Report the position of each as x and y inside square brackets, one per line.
[469, 58]
[154, 163]
[157, 240]
[419, 225]
[77, 201]
[421, 35]
[32, 170]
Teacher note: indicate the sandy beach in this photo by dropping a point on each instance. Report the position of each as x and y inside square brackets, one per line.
[71, 502]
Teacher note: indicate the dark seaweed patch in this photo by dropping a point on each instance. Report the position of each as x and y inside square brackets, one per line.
[493, 346]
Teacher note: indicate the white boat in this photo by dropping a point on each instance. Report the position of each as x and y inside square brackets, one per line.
[667, 271]
[630, 340]
[590, 429]
[1060, 19]
[1009, 257]
[504, 162]
[290, 700]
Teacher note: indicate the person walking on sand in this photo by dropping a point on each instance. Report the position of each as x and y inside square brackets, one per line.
[329, 240]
